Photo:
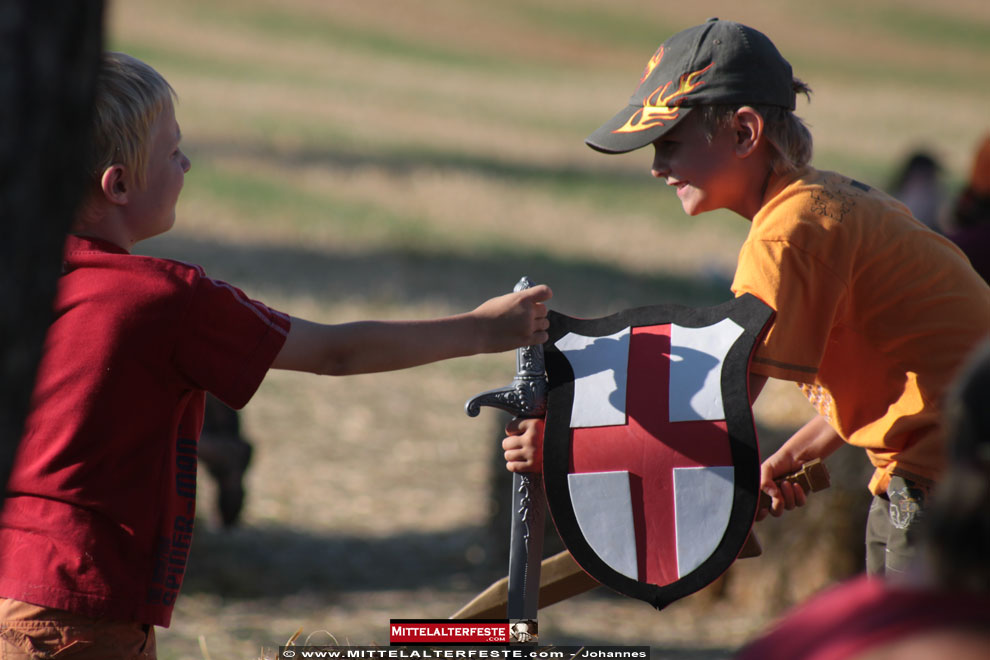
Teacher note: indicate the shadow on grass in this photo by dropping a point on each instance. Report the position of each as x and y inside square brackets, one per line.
[275, 562]
[272, 561]
[581, 288]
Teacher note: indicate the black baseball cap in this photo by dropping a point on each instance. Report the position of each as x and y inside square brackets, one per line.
[715, 63]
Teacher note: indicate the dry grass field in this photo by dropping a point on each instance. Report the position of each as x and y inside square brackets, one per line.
[410, 158]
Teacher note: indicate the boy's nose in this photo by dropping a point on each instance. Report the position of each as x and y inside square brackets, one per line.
[660, 169]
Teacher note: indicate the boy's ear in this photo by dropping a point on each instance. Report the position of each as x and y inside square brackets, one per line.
[114, 184]
[748, 126]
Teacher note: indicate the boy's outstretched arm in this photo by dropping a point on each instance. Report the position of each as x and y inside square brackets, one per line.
[499, 324]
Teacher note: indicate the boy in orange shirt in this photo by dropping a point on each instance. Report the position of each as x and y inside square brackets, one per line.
[875, 313]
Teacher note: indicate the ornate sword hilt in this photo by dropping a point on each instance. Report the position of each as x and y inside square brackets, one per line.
[527, 395]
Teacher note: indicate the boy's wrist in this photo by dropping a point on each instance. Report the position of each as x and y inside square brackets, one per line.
[476, 331]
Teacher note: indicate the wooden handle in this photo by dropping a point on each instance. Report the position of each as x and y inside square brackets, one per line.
[812, 477]
[560, 578]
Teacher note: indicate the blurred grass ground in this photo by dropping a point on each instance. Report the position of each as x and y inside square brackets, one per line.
[401, 158]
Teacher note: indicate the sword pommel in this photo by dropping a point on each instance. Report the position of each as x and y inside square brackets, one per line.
[527, 395]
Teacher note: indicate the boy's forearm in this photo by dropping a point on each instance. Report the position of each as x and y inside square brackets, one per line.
[499, 324]
[816, 439]
[374, 346]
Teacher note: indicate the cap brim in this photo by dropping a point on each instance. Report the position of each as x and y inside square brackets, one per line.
[608, 141]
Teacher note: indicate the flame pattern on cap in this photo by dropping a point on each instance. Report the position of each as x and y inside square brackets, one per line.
[652, 64]
[660, 106]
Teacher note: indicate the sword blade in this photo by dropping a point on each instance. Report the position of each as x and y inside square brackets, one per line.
[525, 545]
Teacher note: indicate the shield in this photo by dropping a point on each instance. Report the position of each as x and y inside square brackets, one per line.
[650, 458]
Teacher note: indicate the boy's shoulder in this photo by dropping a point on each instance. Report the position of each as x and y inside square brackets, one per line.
[809, 180]
[826, 197]
[82, 252]
[97, 270]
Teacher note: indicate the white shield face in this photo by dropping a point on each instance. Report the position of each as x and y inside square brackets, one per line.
[643, 438]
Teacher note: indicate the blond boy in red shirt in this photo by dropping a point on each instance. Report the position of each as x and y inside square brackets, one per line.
[98, 515]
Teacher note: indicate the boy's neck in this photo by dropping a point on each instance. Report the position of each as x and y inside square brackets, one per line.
[752, 174]
[764, 187]
[104, 222]
[755, 193]
[770, 182]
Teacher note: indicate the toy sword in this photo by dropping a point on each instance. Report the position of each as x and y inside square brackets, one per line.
[525, 397]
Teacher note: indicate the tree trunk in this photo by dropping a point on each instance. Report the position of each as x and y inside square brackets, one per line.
[49, 57]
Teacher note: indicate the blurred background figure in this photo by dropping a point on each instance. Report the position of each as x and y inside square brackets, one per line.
[969, 222]
[958, 532]
[226, 454]
[919, 186]
[940, 609]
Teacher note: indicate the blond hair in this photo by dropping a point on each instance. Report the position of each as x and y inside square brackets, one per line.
[786, 132]
[129, 97]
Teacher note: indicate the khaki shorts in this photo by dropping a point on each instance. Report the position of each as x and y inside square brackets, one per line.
[29, 631]
[892, 527]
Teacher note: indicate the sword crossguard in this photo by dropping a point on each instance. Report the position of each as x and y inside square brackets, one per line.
[527, 395]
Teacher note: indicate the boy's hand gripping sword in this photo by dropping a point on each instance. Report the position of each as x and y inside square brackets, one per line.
[525, 397]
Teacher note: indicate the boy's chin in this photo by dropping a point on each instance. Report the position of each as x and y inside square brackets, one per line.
[690, 203]
[697, 206]
[691, 208]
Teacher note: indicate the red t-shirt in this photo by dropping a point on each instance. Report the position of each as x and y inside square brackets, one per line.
[864, 614]
[99, 510]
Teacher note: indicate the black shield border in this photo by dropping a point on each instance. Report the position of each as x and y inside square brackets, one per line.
[753, 315]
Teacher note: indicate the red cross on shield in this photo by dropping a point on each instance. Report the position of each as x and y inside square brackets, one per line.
[651, 463]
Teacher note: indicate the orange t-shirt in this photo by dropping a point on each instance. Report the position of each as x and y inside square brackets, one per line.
[875, 314]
